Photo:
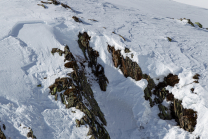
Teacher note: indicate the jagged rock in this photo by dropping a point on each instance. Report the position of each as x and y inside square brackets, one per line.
[31, 135]
[46, 2]
[74, 96]
[169, 39]
[4, 127]
[164, 114]
[158, 100]
[61, 52]
[66, 6]
[116, 54]
[66, 49]
[131, 69]
[93, 20]
[68, 91]
[186, 118]
[82, 122]
[42, 5]
[76, 19]
[189, 22]
[60, 84]
[89, 132]
[2, 136]
[103, 83]
[72, 100]
[62, 98]
[172, 80]
[127, 66]
[122, 37]
[86, 119]
[68, 56]
[54, 91]
[169, 97]
[55, 2]
[56, 97]
[147, 93]
[162, 94]
[39, 85]
[78, 123]
[54, 50]
[126, 50]
[200, 25]
[97, 69]
[70, 64]
[196, 76]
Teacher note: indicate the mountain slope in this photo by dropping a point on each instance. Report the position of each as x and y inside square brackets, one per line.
[29, 32]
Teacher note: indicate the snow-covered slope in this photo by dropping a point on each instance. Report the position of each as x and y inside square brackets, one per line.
[29, 32]
[198, 3]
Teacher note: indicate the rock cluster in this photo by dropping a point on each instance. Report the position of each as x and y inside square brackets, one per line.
[30, 134]
[96, 68]
[191, 23]
[186, 118]
[126, 65]
[55, 2]
[78, 94]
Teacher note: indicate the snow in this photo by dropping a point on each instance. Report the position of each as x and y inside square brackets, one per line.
[198, 3]
[29, 32]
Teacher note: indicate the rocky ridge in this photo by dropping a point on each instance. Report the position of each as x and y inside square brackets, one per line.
[185, 118]
[77, 91]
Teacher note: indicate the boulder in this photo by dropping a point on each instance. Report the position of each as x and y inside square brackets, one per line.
[200, 25]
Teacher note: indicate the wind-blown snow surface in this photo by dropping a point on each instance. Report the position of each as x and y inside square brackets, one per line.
[199, 3]
[29, 32]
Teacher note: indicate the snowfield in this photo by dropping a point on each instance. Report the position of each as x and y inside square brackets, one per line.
[198, 3]
[29, 32]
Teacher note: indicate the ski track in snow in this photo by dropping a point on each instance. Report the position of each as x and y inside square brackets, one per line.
[27, 60]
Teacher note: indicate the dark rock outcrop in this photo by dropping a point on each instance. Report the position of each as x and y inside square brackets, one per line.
[126, 65]
[2, 136]
[76, 19]
[186, 118]
[189, 21]
[97, 69]
[31, 135]
[126, 50]
[78, 94]
[55, 2]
